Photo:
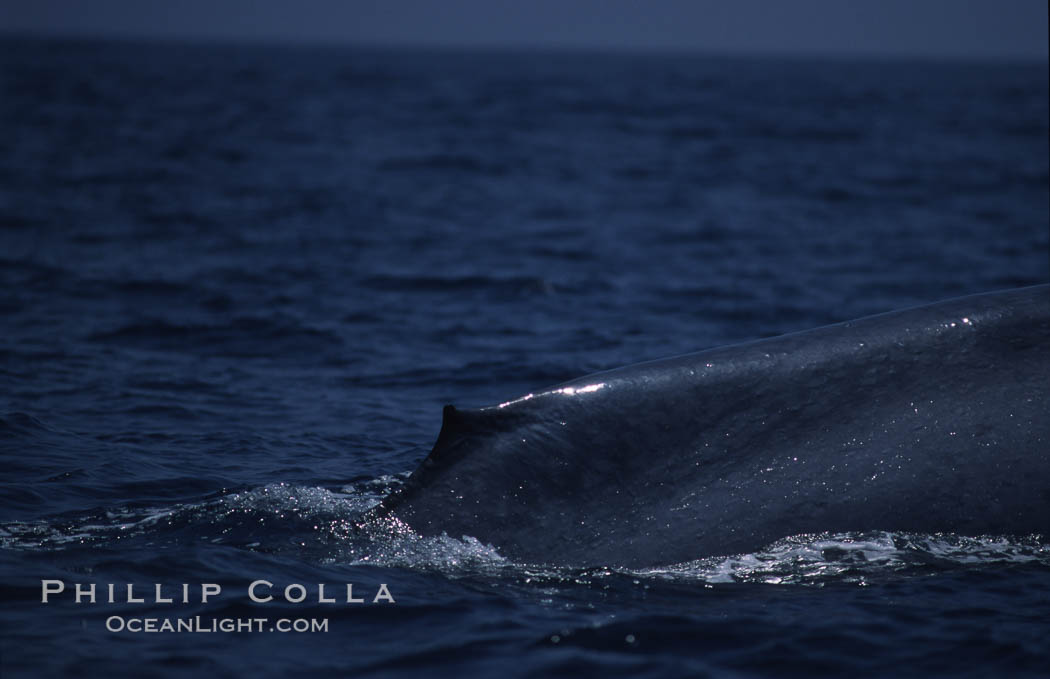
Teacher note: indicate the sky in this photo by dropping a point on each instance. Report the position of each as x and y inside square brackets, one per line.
[932, 28]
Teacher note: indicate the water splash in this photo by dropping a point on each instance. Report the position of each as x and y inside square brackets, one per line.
[333, 526]
[857, 557]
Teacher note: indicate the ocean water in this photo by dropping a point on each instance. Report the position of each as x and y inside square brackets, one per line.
[240, 282]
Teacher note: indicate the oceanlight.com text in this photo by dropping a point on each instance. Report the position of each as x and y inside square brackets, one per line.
[204, 625]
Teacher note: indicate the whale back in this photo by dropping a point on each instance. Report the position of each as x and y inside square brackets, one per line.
[932, 419]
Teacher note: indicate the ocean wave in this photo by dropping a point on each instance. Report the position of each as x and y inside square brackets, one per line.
[441, 162]
[333, 526]
[243, 336]
[818, 559]
[515, 286]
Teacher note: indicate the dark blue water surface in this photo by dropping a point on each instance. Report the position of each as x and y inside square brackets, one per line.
[239, 283]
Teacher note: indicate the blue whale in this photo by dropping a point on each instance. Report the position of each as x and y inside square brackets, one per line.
[931, 419]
